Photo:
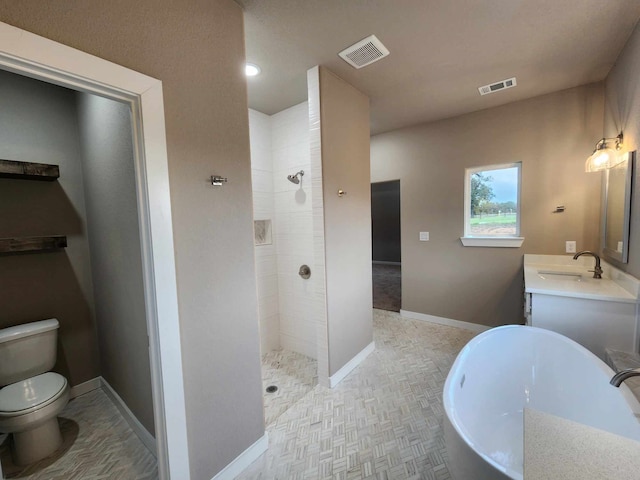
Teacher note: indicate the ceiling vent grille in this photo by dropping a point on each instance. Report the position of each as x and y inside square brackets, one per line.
[495, 87]
[365, 52]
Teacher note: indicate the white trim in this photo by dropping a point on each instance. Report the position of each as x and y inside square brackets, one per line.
[37, 57]
[84, 387]
[143, 434]
[161, 296]
[507, 242]
[347, 368]
[245, 459]
[423, 317]
[381, 262]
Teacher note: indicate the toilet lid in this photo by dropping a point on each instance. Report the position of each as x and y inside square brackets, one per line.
[31, 392]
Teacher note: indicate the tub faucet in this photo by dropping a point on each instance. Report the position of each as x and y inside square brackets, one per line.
[622, 375]
[597, 271]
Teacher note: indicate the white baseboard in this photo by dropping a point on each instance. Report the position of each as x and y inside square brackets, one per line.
[145, 437]
[337, 377]
[474, 327]
[85, 387]
[245, 459]
[381, 262]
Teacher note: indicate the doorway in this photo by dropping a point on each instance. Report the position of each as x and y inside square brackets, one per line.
[284, 244]
[386, 248]
[36, 57]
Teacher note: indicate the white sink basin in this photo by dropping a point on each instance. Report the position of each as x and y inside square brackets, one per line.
[559, 275]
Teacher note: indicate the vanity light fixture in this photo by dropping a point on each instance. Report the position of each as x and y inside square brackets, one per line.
[251, 69]
[605, 154]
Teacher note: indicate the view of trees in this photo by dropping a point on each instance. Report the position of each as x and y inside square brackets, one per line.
[482, 194]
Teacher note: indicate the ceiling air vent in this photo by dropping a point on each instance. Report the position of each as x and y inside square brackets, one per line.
[494, 87]
[365, 52]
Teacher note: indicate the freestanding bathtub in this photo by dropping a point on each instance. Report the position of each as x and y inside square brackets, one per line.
[505, 369]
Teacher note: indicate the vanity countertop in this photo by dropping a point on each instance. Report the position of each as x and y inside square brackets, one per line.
[558, 448]
[578, 282]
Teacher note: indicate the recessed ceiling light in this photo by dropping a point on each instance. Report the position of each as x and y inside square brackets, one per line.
[251, 70]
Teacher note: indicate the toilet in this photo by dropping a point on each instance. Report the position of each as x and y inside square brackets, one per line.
[31, 396]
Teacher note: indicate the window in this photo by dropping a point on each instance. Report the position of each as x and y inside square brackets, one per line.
[492, 206]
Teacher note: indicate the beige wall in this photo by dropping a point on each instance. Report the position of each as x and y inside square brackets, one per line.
[197, 50]
[622, 113]
[38, 123]
[344, 127]
[552, 136]
[114, 241]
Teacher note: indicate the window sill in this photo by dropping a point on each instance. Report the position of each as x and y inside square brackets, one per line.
[504, 242]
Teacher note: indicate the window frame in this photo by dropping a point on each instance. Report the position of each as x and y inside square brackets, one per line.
[490, 240]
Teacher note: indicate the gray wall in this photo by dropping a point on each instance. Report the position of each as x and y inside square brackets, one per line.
[622, 113]
[385, 221]
[552, 136]
[197, 50]
[344, 118]
[114, 241]
[38, 124]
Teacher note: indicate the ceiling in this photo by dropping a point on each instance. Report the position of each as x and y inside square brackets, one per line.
[441, 50]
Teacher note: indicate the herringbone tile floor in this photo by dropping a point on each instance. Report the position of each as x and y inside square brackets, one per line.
[294, 374]
[384, 421]
[98, 445]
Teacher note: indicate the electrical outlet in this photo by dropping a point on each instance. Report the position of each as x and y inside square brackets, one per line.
[424, 236]
[570, 246]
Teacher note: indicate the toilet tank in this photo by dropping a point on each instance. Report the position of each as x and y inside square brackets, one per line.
[27, 350]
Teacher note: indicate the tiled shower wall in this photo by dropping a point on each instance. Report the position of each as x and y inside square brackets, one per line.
[263, 209]
[289, 320]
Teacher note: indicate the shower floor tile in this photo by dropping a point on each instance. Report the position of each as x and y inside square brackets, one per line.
[97, 444]
[294, 374]
[383, 421]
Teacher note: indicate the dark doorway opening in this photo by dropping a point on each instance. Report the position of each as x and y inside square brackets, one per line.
[385, 234]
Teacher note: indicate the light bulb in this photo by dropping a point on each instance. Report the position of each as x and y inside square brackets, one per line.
[251, 70]
[601, 159]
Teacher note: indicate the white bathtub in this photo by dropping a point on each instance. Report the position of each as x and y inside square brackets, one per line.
[501, 371]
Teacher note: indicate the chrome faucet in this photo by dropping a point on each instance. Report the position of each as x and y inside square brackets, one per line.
[597, 271]
[622, 375]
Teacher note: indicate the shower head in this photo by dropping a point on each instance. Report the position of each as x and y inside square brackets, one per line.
[295, 178]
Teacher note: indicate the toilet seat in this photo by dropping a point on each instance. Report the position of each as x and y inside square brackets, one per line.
[34, 393]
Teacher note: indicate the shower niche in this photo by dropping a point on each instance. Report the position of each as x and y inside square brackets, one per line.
[262, 232]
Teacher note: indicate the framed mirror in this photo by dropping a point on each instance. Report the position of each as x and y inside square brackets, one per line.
[617, 209]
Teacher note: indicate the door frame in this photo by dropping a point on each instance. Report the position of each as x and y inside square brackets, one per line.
[33, 56]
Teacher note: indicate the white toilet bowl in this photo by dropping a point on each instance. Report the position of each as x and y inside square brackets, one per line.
[29, 410]
[31, 396]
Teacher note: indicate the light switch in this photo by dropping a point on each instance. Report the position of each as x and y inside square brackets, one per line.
[570, 246]
[424, 236]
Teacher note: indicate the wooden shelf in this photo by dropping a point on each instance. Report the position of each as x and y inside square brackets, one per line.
[29, 171]
[31, 244]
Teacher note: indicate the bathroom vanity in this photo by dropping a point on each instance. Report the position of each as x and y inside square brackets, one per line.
[562, 295]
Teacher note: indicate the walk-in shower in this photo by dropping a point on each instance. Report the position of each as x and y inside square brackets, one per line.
[296, 177]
